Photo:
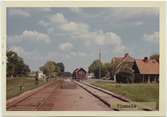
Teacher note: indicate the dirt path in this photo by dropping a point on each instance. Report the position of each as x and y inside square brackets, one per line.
[61, 96]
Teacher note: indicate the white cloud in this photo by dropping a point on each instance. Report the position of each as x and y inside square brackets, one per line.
[154, 37]
[75, 9]
[20, 12]
[24, 53]
[30, 35]
[65, 46]
[58, 18]
[43, 23]
[75, 27]
[32, 58]
[138, 23]
[80, 31]
[131, 13]
[68, 26]
[81, 54]
[110, 38]
[73, 53]
[46, 9]
[19, 50]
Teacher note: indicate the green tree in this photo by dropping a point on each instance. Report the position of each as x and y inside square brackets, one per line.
[16, 65]
[11, 63]
[123, 70]
[107, 67]
[26, 69]
[61, 67]
[155, 56]
[95, 66]
[51, 69]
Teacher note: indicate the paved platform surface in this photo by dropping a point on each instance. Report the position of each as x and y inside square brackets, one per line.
[62, 96]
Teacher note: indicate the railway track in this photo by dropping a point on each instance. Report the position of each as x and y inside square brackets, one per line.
[110, 100]
[48, 98]
[50, 86]
[108, 92]
[113, 101]
[44, 101]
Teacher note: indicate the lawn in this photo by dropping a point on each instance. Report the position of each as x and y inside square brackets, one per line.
[135, 92]
[13, 85]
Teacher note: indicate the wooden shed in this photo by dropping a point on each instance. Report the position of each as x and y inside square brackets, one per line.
[79, 74]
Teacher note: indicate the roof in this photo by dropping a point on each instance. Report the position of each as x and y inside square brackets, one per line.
[78, 69]
[126, 58]
[75, 70]
[147, 67]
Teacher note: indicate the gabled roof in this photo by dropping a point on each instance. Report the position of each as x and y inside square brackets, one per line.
[82, 69]
[126, 58]
[78, 69]
[147, 67]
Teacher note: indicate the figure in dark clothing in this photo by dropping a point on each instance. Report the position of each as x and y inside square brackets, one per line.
[47, 78]
[36, 78]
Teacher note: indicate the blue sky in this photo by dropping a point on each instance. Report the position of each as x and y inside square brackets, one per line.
[74, 35]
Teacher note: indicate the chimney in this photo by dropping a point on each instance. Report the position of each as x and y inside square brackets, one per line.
[126, 54]
[145, 59]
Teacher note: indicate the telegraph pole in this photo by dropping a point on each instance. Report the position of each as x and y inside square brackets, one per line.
[100, 63]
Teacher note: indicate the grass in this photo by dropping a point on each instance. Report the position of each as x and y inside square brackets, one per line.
[135, 92]
[13, 85]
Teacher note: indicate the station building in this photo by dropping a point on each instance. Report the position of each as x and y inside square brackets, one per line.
[144, 70]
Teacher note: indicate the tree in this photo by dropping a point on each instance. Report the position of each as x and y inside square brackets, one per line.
[51, 69]
[16, 65]
[115, 66]
[107, 66]
[125, 74]
[26, 69]
[95, 66]
[121, 71]
[11, 63]
[155, 56]
[61, 67]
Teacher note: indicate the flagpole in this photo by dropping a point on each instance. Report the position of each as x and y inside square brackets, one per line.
[100, 63]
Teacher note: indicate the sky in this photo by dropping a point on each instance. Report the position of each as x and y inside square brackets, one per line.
[74, 35]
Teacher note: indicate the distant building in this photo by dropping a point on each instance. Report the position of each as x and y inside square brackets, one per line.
[79, 74]
[66, 74]
[32, 74]
[146, 70]
[41, 75]
[91, 75]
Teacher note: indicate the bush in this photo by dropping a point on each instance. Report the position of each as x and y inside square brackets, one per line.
[125, 77]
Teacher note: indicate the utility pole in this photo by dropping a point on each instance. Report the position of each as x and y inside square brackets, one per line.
[100, 63]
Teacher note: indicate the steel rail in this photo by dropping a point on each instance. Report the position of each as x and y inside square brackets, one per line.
[96, 96]
[27, 97]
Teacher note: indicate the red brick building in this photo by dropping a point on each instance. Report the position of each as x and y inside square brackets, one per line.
[79, 74]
